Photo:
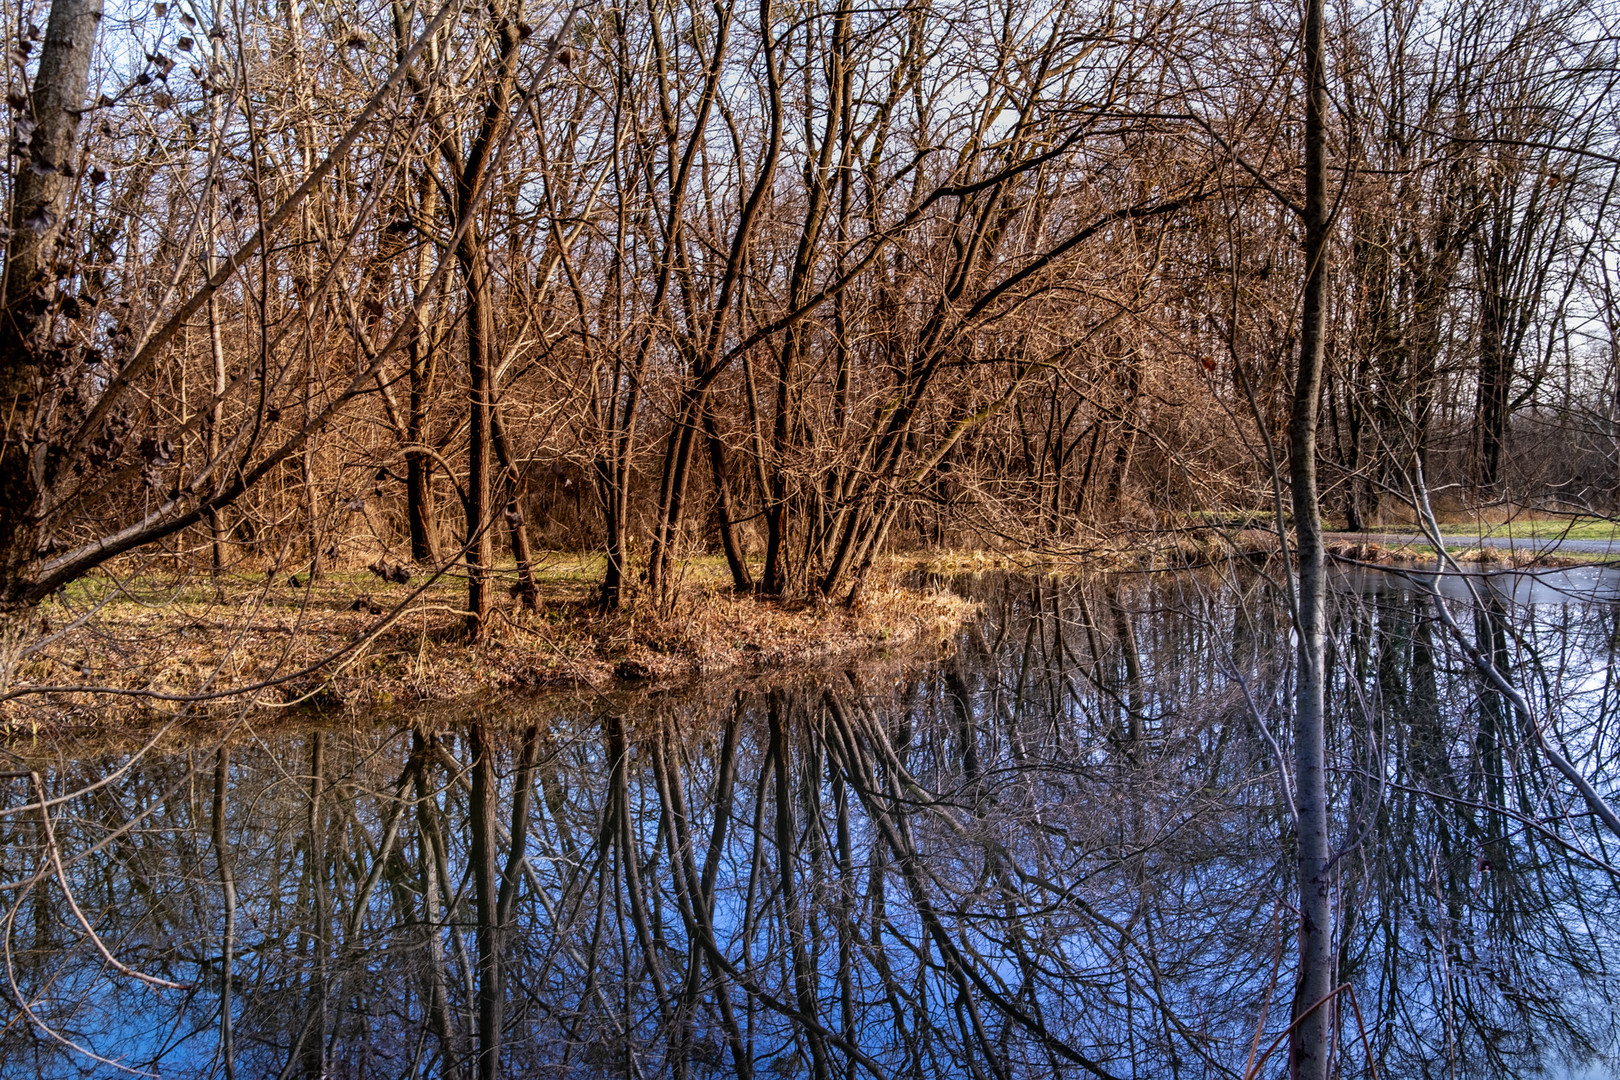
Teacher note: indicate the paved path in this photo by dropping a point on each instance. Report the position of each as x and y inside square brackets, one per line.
[1541, 545]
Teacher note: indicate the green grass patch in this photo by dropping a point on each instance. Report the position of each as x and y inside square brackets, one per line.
[1582, 528]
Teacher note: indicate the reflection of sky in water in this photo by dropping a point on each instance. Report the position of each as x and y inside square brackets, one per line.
[1082, 781]
[1573, 585]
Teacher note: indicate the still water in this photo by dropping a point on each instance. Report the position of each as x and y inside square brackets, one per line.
[1062, 850]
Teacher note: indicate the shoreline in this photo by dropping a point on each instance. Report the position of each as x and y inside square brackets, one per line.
[345, 644]
[115, 649]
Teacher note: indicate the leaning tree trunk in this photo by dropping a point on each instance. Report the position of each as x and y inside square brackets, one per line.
[522, 553]
[741, 579]
[1312, 1012]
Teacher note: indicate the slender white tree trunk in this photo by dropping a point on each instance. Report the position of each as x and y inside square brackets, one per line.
[1313, 1015]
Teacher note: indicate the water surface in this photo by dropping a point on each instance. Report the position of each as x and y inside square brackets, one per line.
[1064, 850]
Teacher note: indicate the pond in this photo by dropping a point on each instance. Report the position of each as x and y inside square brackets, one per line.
[1062, 850]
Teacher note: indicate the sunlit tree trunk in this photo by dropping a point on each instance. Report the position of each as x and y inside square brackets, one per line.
[420, 511]
[472, 176]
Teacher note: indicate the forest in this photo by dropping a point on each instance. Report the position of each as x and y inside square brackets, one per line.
[356, 354]
[302, 287]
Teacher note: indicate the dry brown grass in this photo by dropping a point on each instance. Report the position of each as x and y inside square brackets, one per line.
[1145, 549]
[1484, 555]
[113, 648]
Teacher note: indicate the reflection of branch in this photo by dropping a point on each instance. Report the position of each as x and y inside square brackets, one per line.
[103, 782]
[956, 963]
[1521, 706]
[158, 803]
[1282, 760]
[1530, 824]
[16, 992]
[10, 921]
[67, 892]
[1254, 1070]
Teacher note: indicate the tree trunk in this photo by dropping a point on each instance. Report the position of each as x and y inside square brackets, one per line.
[218, 533]
[312, 505]
[217, 530]
[741, 579]
[615, 524]
[38, 208]
[774, 578]
[480, 367]
[470, 181]
[1495, 370]
[819, 177]
[1120, 473]
[672, 496]
[517, 525]
[1309, 1044]
[419, 505]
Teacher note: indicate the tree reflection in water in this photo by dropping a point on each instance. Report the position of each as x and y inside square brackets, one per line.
[1062, 851]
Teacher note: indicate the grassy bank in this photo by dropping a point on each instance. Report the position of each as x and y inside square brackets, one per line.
[351, 639]
[1409, 554]
[1524, 528]
[112, 644]
[1470, 538]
